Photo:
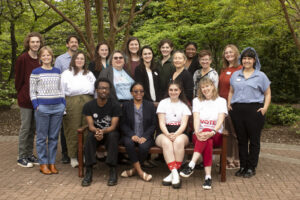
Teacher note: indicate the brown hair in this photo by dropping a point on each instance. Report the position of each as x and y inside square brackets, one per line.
[203, 53]
[73, 64]
[182, 96]
[236, 54]
[98, 63]
[207, 80]
[42, 50]
[128, 54]
[162, 42]
[32, 34]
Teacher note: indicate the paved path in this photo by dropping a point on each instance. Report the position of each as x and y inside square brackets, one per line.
[278, 177]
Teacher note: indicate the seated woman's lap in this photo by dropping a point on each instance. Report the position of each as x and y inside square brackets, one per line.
[162, 139]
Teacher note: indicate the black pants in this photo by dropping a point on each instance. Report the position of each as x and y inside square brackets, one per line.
[142, 154]
[111, 141]
[63, 143]
[248, 124]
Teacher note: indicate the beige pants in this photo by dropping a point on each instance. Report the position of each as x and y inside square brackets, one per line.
[73, 120]
[232, 143]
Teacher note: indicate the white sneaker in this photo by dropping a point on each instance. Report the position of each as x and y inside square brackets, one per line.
[175, 179]
[74, 162]
[167, 181]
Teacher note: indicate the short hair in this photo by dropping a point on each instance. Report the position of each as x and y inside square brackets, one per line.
[42, 50]
[98, 63]
[164, 41]
[27, 39]
[236, 54]
[102, 79]
[203, 53]
[191, 43]
[134, 84]
[206, 80]
[73, 63]
[181, 52]
[112, 55]
[72, 36]
[249, 53]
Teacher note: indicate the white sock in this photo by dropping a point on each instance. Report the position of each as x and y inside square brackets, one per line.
[192, 164]
[207, 177]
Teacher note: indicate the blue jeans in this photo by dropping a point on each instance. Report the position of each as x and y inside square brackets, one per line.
[48, 122]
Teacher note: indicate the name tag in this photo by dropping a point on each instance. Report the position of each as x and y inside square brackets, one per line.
[228, 73]
[238, 79]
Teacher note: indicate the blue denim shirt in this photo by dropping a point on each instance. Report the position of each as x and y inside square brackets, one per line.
[249, 90]
[62, 62]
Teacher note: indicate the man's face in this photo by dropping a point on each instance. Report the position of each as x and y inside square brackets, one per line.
[34, 44]
[103, 90]
[73, 44]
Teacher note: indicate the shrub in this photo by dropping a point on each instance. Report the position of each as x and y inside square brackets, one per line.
[7, 94]
[282, 115]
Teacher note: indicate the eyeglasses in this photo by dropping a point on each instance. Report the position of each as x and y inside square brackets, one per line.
[103, 88]
[118, 58]
[138, 91]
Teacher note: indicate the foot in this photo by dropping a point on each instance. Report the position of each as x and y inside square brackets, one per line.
[176, 184]
[65, 158]
[249, 173]
[74, 162]
[113, 177]
[33, 160]
[24, 162]
[87, 180]
[240, 172]
[44, 169]
[207, 184]
[186, 172]
[146, 177]
[53, 169]
[231, 166]
[167, 181]
[128, 173]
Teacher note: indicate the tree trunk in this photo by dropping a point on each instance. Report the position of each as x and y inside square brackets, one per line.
[14, 46]
[100, 19]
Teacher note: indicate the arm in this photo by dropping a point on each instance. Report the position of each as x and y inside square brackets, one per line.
[112, 127]
[267, 101]
[32, 90]
[125, 122]
[229, 98]
[182, 126]
[162, 124]
[152, 126]
[19, 74]
[206, 135]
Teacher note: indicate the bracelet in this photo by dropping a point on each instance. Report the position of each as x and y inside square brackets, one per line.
[214, 131]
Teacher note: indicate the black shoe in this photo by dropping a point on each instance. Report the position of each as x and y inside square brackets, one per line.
[113, 177]
[87, 180]
[240, 172]
[65, 158]
[207, 184]
[249, 173]
[186, 172]
[33, 160]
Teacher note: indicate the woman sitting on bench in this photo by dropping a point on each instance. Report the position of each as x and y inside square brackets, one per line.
[173, 114]
[209, 111]
[138, 124]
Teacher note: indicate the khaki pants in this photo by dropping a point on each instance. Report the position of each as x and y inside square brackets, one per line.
[73, 120]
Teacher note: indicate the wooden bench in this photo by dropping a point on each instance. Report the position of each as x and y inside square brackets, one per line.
[222, 151]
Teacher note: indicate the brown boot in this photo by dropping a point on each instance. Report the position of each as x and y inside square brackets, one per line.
[53, 169]
[44, 169]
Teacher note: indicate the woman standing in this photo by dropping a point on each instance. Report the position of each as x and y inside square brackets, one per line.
[49, 104]
[173, 114]
[192, 62]
[182, 75]
[165, 66]
[78, 87]
[248, 101]
[209, 111]
[138, 124]
[132, 53]
[205, 61]
[230, 58]
[147, 74]
[101, 59]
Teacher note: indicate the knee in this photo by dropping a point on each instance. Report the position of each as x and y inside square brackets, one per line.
[128, 142]
[114, 135]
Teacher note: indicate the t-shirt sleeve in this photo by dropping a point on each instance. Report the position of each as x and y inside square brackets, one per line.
[196, 105]
[87, 109]
[186, 110]
[265, 82]
[222, 106]
[161, 107]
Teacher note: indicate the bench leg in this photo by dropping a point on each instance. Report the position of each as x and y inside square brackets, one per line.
[80, 155]
[223, 159]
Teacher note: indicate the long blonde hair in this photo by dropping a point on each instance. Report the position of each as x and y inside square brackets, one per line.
[236, 54]
[207, 80]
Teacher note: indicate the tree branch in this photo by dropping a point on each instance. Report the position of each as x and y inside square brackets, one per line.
[51, 26]
[88, 28]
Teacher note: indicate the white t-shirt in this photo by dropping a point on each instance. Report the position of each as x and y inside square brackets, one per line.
[209, 110]
[173, 111]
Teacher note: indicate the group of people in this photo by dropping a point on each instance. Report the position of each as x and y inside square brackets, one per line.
[139, 101]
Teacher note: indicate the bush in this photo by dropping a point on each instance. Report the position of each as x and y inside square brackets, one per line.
[282, 115]
[7, 94]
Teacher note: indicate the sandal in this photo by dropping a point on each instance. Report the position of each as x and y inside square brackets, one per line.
[128, 173]
[230, 166]
[236, 164]
[146, 177]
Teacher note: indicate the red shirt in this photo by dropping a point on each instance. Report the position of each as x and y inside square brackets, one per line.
[23, 68]
[224, 80]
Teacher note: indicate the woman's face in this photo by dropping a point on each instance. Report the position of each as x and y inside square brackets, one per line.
[133, 47]
[174, 92]
[179, 60]
[248, 62]
[118, 60]
[103, 51]
[207, 90]
[166, 50]
[190, 51]
[205, 61]
[46, 57]
[147, 55]
[137, 92]
[79, 61]
[229, 54]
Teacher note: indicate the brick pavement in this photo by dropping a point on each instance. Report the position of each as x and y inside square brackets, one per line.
[278, 177]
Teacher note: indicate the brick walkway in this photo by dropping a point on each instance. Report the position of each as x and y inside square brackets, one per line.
[278, 177]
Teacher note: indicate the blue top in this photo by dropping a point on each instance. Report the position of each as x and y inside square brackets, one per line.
[62, 62]
[122, 82]
[249, 90]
